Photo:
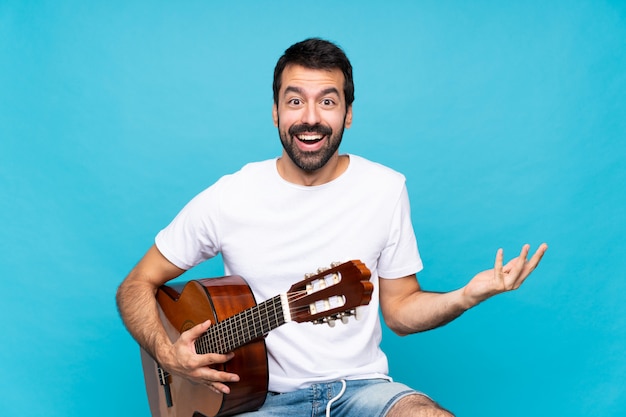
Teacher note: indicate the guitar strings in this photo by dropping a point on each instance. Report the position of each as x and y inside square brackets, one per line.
[298, 295]
[232, 332]
[242, 328]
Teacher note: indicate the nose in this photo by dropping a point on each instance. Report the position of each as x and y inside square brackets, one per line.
[311, 115]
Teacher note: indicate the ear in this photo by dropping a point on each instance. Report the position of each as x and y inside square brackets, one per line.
[275, 114]
[348, 121]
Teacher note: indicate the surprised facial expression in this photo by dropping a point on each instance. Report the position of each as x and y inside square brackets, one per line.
[311, 115]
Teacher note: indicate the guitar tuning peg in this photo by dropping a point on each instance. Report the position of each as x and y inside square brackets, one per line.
[334, 264]
[322, 269]
[357, 313]
[308, 275]
[331, 322]
[344, 319]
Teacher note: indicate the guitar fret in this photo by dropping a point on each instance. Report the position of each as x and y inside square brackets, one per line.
[263, 317]
[278, 307]
[213, 344]
[200, 344]
[258, 323]
[234, 333]
[236, 336]
[228, 342]
[247, 329]
[242, 328]
[224, 336]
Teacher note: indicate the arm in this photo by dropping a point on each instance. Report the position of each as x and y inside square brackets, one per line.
[138, 308]
[408, 309]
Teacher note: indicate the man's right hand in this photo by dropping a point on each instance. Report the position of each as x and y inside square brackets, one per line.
[181, 359]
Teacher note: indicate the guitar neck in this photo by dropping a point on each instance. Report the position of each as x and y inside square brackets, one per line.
[244, 327]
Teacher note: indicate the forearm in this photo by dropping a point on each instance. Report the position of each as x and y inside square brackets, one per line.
[424, 310]
[407, 309]
[138, 308]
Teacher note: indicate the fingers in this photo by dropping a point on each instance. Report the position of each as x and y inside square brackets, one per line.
[517, 275]
[538, 255]
[518, 269]
[503, 278]
[531, 264]
[196, 331]
[202, 359]
[498, 264]
[200, 367]
[216, 380]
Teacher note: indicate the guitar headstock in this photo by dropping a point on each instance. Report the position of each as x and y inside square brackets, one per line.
[331, 293]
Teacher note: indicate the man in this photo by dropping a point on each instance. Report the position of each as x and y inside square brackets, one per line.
[275, 220]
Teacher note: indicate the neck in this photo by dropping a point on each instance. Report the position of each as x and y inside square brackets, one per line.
[290, 172]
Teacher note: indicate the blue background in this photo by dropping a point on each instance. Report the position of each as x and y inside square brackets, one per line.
[508, 119]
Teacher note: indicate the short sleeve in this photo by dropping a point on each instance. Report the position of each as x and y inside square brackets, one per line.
[400, 256]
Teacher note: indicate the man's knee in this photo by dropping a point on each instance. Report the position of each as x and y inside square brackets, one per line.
[417, 405]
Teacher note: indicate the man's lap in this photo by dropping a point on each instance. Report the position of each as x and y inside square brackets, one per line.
[371, 397]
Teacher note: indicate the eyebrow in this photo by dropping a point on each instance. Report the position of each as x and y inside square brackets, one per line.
[298, 90]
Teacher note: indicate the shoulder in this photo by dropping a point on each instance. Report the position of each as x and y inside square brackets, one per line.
[252, 169]
[249, 173]
[364, 165]
[375, 173]
[241, 181]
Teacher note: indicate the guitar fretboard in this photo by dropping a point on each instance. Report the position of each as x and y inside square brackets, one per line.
[242, 328]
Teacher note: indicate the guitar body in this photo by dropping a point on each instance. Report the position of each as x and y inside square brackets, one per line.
[239, 325]
[200, 300]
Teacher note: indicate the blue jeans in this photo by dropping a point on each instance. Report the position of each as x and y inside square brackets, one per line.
[362, 398]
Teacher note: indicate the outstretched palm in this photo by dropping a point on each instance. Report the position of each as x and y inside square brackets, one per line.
[503, 278]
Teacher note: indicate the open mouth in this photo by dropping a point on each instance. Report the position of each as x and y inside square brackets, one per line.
[310, 134]
[309, 138]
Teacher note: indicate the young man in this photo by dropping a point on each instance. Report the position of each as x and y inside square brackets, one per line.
[275, 220]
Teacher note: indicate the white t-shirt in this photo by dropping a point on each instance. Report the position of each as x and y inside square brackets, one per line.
[272, 232]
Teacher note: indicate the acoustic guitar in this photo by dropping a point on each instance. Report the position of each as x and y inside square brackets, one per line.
[239, 325]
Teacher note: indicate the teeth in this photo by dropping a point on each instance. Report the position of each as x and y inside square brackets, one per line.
[310, 137]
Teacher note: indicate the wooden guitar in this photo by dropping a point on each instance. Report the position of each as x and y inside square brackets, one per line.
[239, 326]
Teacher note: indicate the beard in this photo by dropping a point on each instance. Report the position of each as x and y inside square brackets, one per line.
[310, 161]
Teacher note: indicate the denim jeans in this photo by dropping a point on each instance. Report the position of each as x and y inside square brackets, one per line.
[361, 398]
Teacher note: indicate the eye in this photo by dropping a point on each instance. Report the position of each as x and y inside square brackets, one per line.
[295, 101]
[328, 102]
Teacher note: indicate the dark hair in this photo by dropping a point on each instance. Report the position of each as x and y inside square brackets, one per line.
[315, 53]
